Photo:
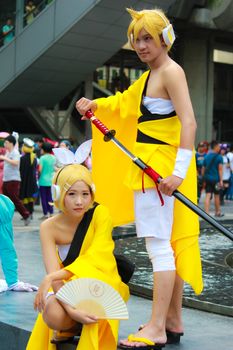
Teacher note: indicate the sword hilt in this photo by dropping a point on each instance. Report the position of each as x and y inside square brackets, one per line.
[108, 134]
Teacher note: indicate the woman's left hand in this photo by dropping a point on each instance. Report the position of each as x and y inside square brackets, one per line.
[39, 302]
[169, 184]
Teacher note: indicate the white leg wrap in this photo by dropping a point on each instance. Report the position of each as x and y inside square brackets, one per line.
[161, 254]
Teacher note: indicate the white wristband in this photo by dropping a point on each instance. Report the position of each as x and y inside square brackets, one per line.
[183, 159]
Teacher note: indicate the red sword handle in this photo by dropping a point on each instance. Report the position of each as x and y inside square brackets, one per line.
[108, 134]
[90, 115]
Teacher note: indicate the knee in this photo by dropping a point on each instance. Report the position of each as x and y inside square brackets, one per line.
[161, 254]
[49, 316]
[53, 313]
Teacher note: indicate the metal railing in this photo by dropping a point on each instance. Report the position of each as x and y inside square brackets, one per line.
[26, 19]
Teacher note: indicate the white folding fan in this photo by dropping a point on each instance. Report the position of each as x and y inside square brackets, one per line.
[95, 297]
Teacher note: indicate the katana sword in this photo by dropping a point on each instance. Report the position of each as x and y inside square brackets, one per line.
[109, 135]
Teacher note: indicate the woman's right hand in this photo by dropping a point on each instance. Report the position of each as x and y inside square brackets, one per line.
[40, 299]
[84, 104]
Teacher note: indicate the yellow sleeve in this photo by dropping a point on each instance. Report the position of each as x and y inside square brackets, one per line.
[109, 164]
[123, 104]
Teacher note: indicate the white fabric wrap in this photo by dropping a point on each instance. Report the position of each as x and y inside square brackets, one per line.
[183, 159]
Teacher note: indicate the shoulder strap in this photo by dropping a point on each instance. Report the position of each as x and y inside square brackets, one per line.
[79, 236]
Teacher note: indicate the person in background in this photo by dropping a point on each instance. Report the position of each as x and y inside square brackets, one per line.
[8, 254]
[200, 155]
[11, 177]
[125, 81]
[116, 84]
[73, 144]
[16, 136]
[212, 172]
[65, 144]
[38, 142]
[226, 173]
[54, 143]
[30, 10]
[229, 194]
[206, 146]
[46, 170]
[2, 153]
[8, 31]
[28, 167]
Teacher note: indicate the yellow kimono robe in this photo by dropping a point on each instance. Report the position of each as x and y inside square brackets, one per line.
[95, 260]
[115, 175]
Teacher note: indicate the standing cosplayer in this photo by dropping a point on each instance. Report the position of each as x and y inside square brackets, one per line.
[155, 120]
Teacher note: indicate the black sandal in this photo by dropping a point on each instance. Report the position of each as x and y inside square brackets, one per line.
[61, 337]
[64, 340]
[173, 337]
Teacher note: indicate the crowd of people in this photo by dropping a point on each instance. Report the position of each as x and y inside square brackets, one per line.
[26, 173]
[215, 173]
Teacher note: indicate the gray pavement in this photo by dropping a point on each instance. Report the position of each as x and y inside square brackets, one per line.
[226, 209]
[203, 330]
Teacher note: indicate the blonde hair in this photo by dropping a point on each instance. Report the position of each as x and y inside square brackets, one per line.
[66, 177]
[153, 21]
[27, 149]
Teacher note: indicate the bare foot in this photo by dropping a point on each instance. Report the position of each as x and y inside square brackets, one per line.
[149, 332]
[174, 325]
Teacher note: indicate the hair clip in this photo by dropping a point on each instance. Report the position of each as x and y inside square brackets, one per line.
[131, 38]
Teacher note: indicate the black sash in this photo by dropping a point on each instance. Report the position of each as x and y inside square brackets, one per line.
[79, 236]
[143, 138]
[148, 116]
[124, 265]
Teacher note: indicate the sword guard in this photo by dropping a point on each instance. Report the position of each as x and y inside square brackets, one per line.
[109, 135]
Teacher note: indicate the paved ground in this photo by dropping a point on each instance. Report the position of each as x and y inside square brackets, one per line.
[203, 331]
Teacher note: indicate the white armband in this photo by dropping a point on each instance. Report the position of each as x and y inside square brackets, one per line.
[183, 159]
